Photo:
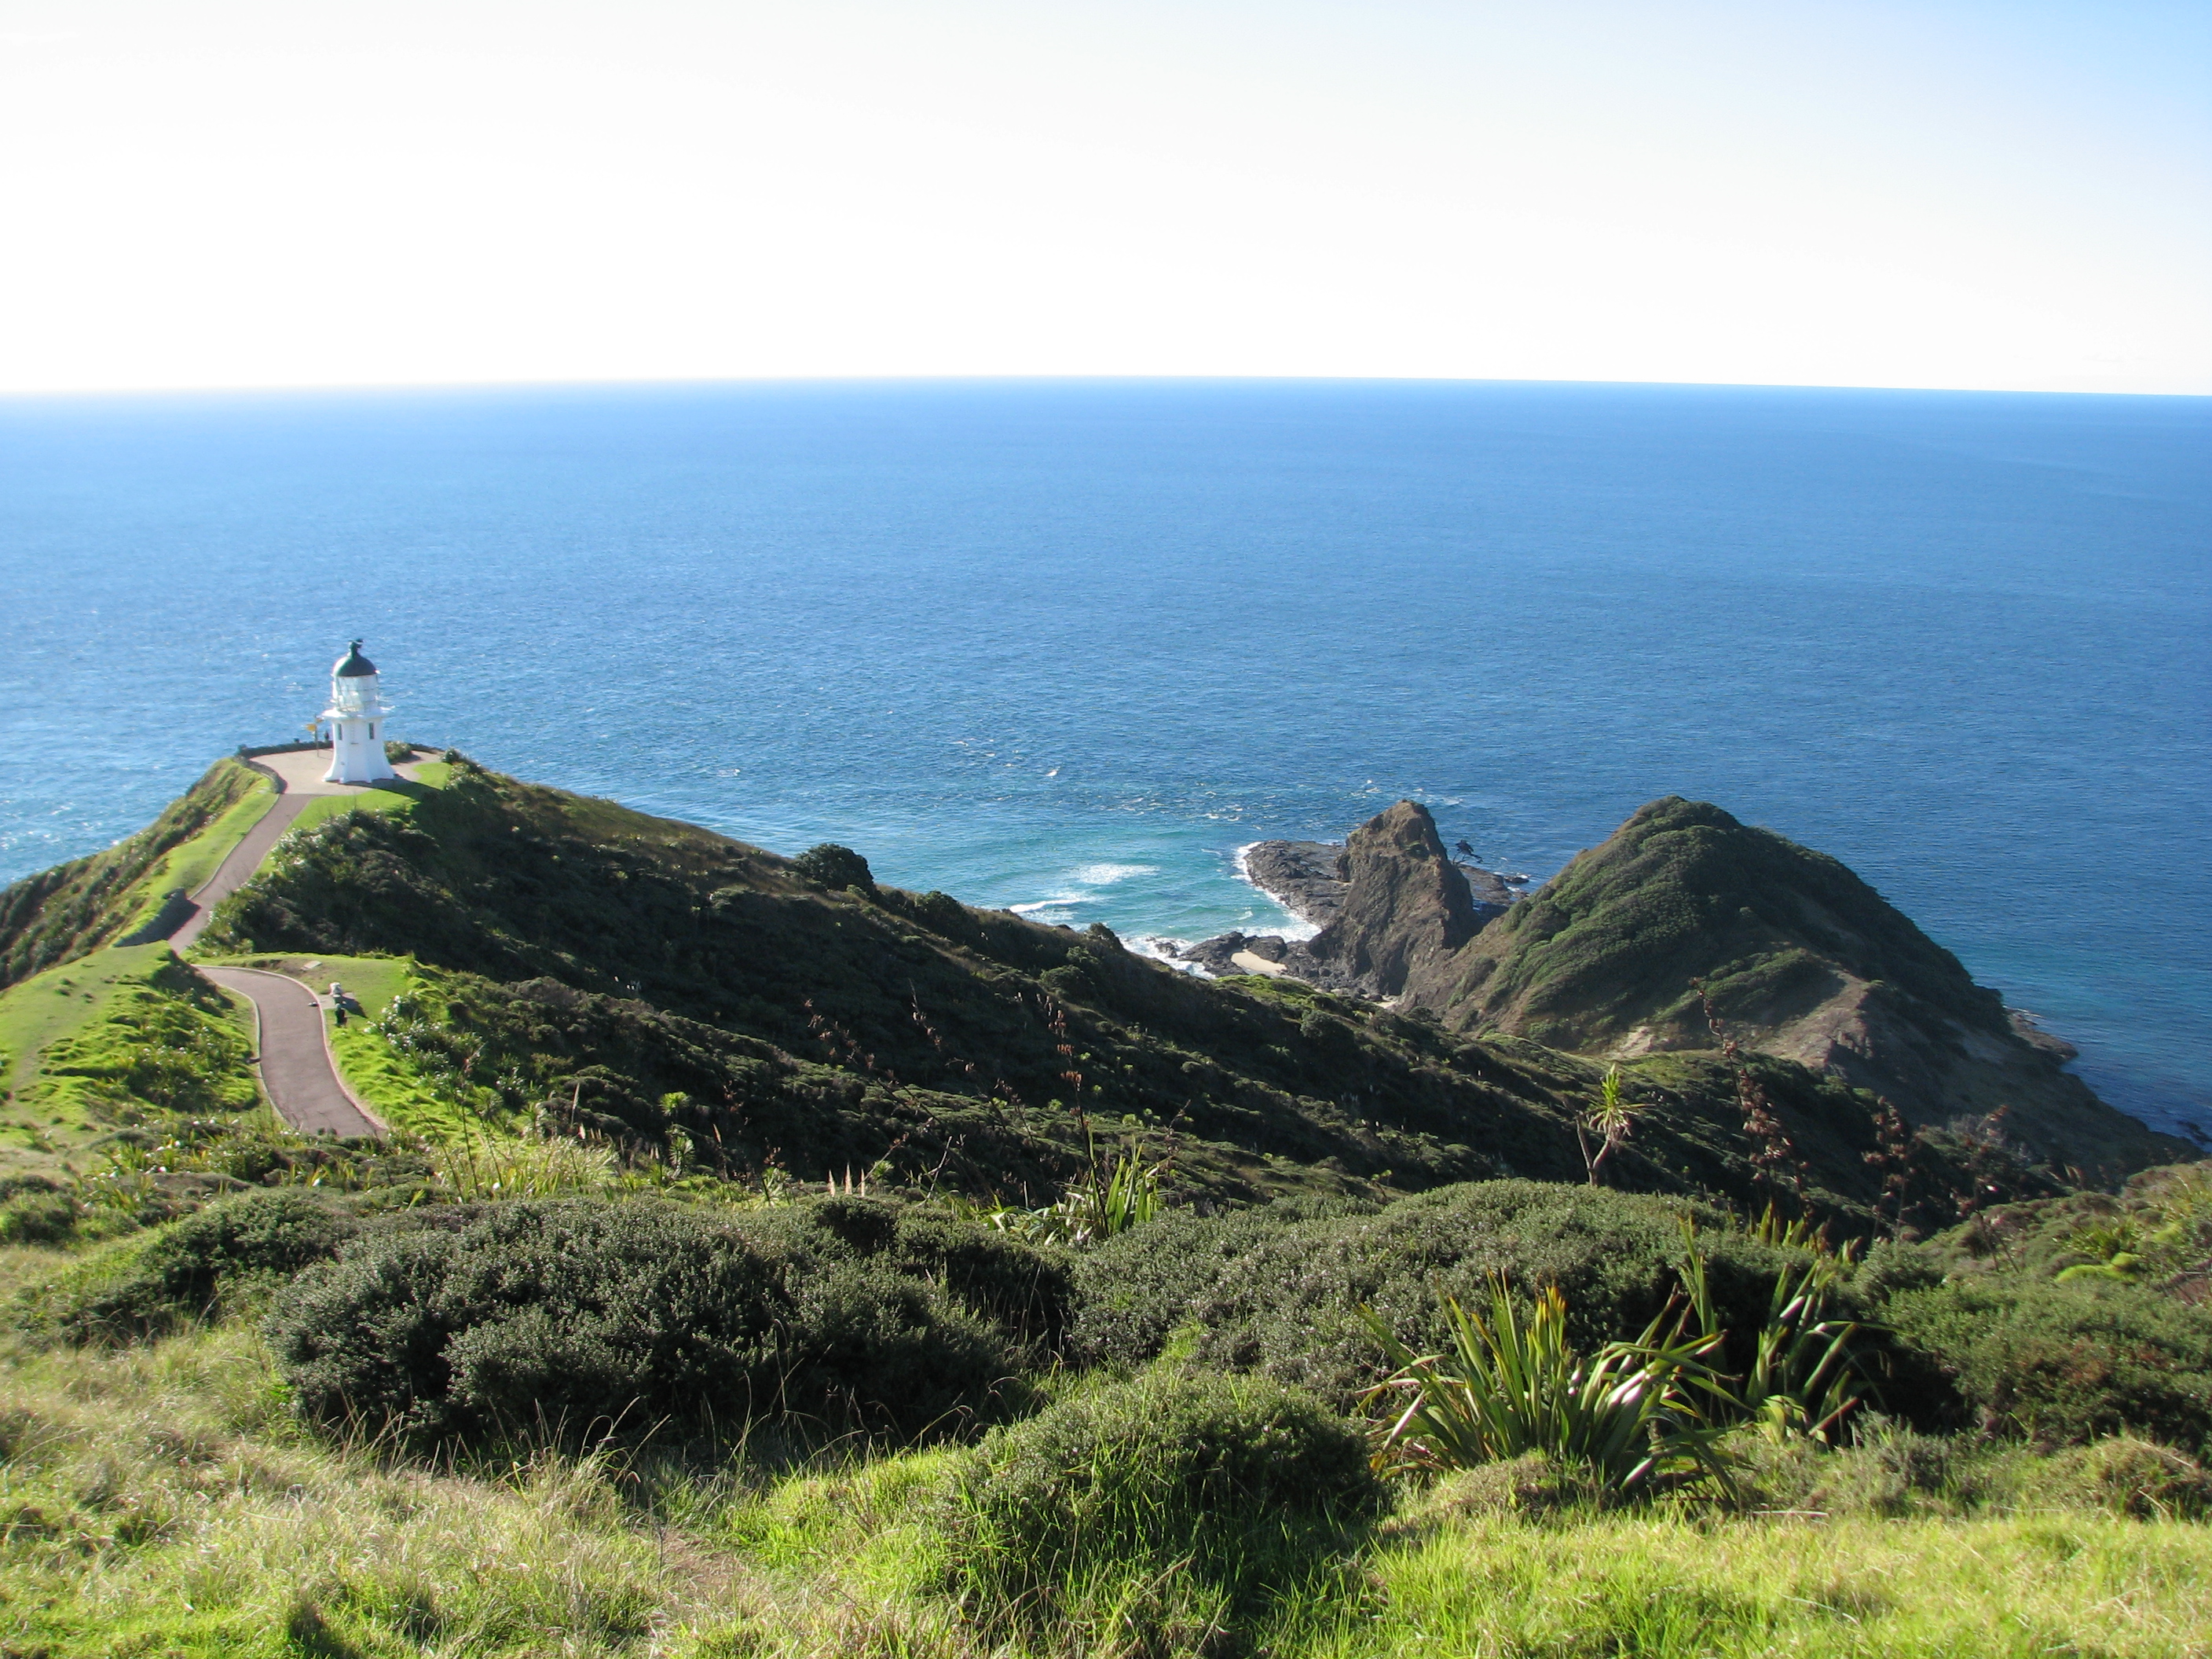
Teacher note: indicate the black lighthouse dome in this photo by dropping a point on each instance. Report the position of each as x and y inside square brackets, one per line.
[352, 666]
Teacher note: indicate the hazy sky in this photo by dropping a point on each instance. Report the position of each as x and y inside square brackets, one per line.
[2015, 194]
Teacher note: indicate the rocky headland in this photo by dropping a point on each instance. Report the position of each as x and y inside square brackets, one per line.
[1682, 915]
[1312, 879]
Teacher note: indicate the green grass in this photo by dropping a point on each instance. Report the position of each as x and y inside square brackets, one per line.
[399, 800]
[192, 865]
[45, 1120]
[162, 1500]
[63, 913]
[1654, 1586]
[369, 1064]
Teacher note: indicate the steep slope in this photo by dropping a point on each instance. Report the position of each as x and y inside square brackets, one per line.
[1802, 959]
[639, 977]
[569, 963]
[642, 978]
[60, 913]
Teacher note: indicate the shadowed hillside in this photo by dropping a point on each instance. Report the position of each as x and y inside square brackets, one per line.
[569, 964]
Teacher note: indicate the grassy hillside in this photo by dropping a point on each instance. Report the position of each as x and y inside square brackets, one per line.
[62, 913]
[771, 1262]
[587, 966]
[1682, 891]
[107, 1045]
[178, 1477]
[1685, 914]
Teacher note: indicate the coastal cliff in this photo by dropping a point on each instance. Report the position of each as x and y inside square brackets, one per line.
[1799, 958]
[565, 963]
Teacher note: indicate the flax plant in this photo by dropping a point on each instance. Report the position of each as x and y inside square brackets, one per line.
[1505, 1386]
[1804, 1378]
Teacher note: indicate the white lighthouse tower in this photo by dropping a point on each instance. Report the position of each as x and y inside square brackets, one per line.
[356, 717]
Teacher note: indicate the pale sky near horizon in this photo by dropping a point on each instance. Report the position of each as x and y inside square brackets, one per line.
[221, 193]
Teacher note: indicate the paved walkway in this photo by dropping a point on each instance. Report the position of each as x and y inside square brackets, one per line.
[300, 774]
[295, 1042]
[297, 1071]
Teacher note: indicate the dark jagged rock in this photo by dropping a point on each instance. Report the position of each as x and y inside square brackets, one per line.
[1406, 904]
[1362, 954]
[1306, 877]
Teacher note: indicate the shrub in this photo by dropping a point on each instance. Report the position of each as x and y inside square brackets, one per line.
[201, 1267]
[1280, 1293]
[1023, 1290]
[1531, 1484]
[571, 1318]
[2134, 1477]
[1163, 1503]
[35, 1211]
[1893, 1470]
[834, 867]
[2063, 1363]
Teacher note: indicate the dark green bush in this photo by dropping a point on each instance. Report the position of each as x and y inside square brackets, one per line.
[572, 1319]
[834, 867]
[201, 1267]
[1173, 1499]
[1023, 1291]
[1281, 1296]
[2065, 1364]
[35, 1211]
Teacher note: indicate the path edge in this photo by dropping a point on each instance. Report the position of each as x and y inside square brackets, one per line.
[345, 1087]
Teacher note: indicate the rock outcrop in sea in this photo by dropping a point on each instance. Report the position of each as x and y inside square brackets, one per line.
[1387, 897]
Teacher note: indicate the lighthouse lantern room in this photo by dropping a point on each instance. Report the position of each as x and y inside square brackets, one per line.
[356, 715]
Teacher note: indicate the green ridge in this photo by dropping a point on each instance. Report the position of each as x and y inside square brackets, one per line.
[62, 913]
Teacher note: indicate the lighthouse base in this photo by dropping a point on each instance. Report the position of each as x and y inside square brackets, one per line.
[357, 754]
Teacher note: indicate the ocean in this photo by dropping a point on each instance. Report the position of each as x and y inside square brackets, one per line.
[1069, 646]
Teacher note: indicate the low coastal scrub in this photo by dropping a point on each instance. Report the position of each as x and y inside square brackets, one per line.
[569, 1320]
[678, 993]
[1281, 1290]
[225, 1259]
[307, 1421]
[1153, 1514]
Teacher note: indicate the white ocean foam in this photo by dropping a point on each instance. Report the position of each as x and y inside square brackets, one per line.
[1160, 948]
[1105, 875]
[1083, 885]
[1057, 902]
[1292, 926]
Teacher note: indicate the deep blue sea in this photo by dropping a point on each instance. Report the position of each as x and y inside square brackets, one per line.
[1069, 646]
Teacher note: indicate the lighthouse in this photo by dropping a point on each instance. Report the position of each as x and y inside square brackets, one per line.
[356, 717]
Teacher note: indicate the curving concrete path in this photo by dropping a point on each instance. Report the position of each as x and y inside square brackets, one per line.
[294, 1043]
[297, 1071]
[299, 775]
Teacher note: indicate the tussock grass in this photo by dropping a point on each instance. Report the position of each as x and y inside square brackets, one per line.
[162, 1500]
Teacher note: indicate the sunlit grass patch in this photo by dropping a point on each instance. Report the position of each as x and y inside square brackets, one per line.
[1663, 1585]
[106, 1041]
[190, 866]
